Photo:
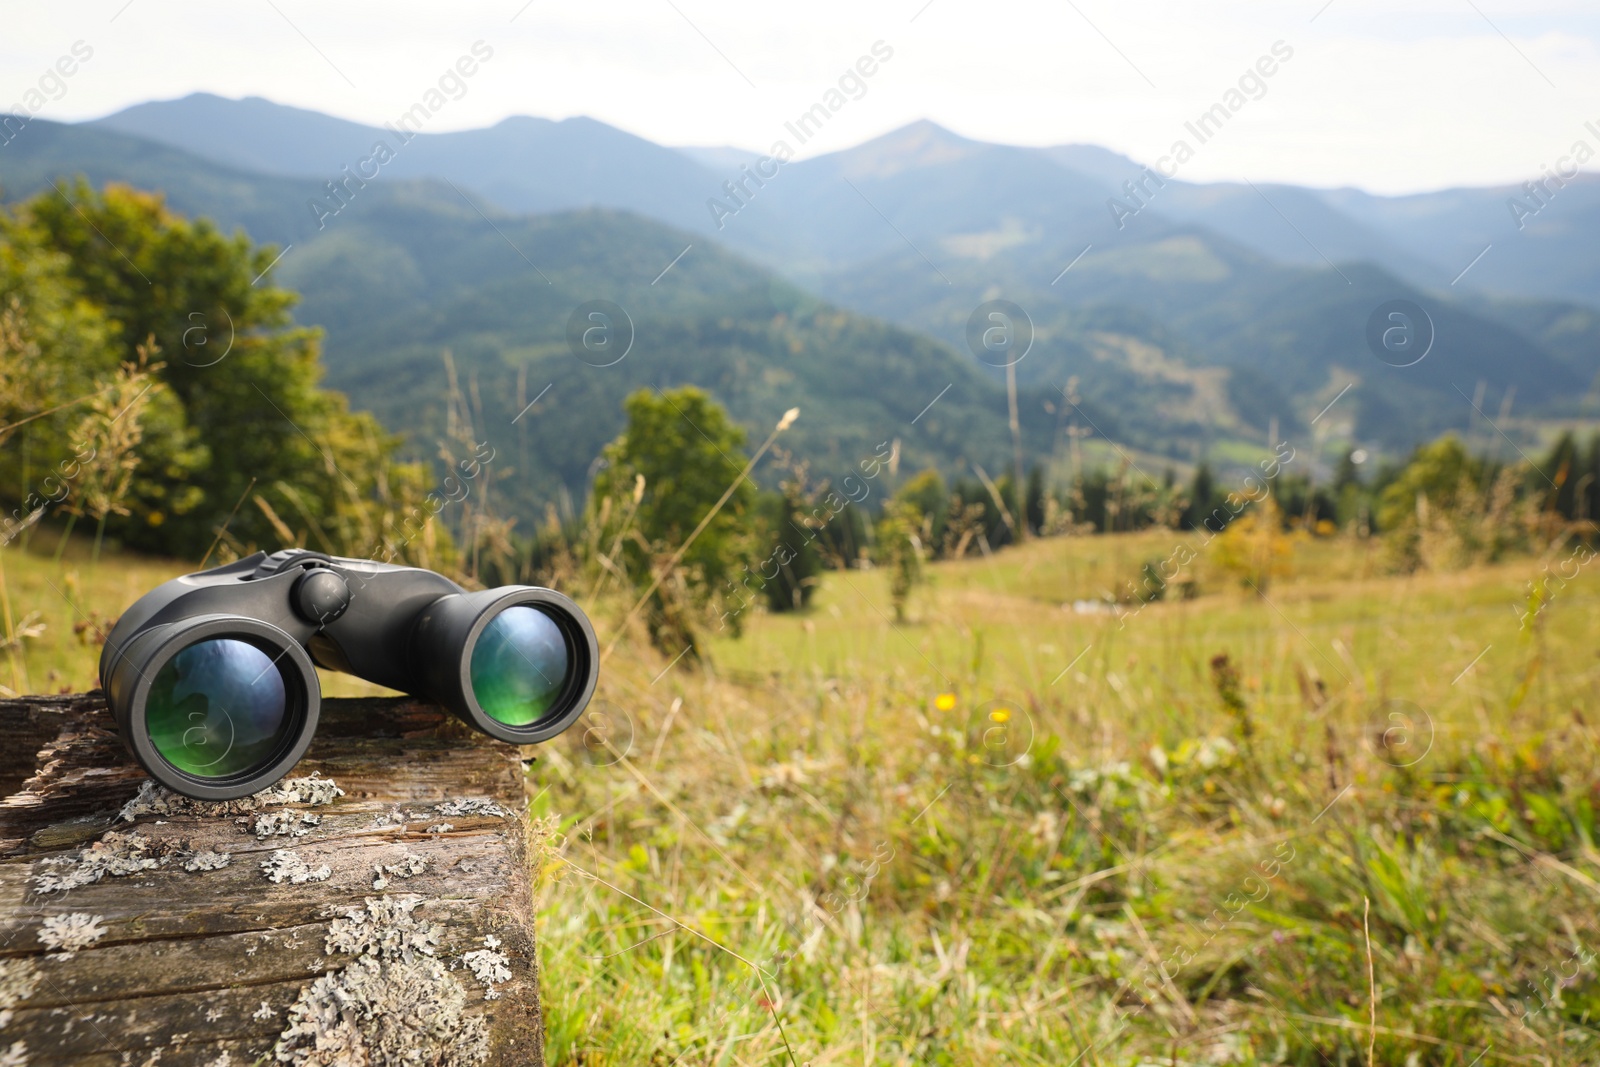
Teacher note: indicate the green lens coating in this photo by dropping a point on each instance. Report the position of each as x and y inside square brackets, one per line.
[520, 666]
[218, 708]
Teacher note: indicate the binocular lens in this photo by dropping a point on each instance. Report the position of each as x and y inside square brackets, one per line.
[521, 666]
[219, 708]
[518, 663]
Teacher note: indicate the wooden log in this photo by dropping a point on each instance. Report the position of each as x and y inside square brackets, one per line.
[373, 909]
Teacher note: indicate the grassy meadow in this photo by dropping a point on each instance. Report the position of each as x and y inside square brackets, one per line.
[1347, 822]
[1164, 860]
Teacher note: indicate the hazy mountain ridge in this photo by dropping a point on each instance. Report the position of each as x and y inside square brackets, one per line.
[526, 165]
[1193, 325]
[803, 219]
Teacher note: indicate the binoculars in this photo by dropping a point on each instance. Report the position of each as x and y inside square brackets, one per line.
[212, 676]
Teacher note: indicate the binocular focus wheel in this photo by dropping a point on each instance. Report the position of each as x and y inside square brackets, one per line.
[320, 596]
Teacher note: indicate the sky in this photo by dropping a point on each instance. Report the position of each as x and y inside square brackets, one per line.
[1389, 97]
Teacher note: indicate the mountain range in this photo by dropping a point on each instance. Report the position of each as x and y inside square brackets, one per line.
[934, 182]
[846, 284]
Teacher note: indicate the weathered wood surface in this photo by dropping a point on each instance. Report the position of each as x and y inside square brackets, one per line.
[141, 928]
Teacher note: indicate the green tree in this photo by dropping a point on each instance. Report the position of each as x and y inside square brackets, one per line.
[1439, 472]
[789, 571]
[1588, 487]
[1350, 495]
[900, 552]
[688, 453]
[926, 492]
[245, 378]
[1203, 498]
[1033, 500]
[1448, 509]
[72, 414]
[55, 349]
[1563, 469]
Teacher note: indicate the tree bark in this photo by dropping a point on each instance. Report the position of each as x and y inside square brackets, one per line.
[373, 909]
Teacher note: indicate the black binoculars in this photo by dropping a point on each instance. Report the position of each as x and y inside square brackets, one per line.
[212, 676]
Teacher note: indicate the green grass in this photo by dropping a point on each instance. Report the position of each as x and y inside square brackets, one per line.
[809, 855]
[814, 811]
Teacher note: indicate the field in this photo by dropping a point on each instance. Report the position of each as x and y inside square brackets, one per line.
[1350, 821]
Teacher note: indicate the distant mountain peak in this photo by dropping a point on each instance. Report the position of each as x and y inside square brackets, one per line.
[524, 123]
[922, 143]
[927, 130]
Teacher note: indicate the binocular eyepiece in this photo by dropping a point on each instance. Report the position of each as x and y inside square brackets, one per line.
[212, 676]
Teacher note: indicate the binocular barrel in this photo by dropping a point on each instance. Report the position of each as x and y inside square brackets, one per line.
[212, 676]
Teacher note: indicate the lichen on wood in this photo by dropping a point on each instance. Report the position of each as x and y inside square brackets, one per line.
[72, 931]
[394, 1003]
[206, 860]
[139, 926]
[285, 865]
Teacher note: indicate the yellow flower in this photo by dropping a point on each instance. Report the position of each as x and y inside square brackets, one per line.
[944, 701]
[1000, 715]
[155, 518]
